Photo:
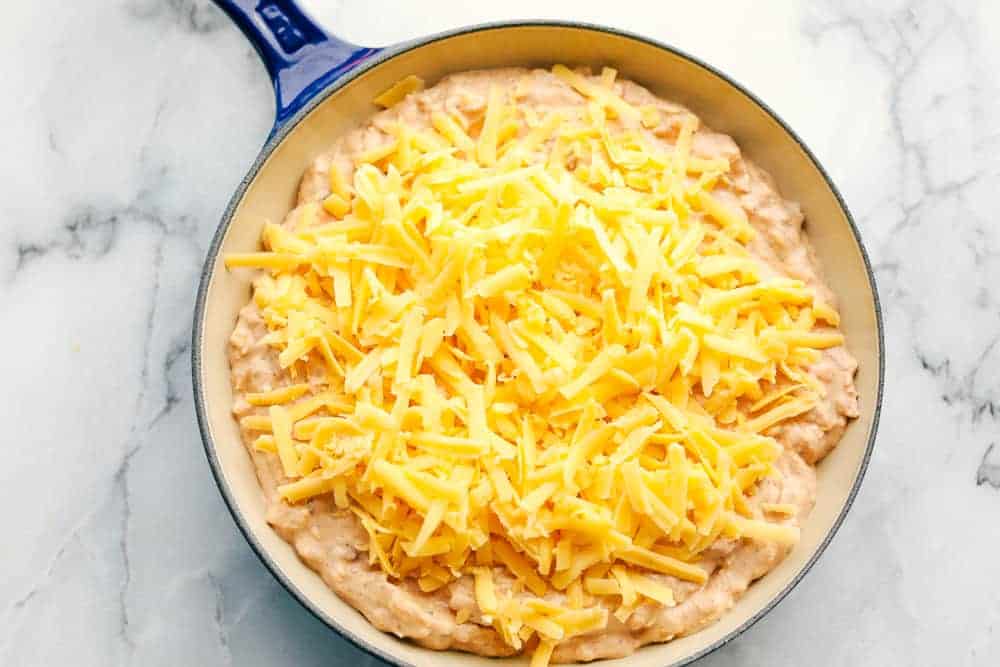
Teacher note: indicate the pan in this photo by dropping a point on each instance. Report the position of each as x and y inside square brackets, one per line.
[324, 86]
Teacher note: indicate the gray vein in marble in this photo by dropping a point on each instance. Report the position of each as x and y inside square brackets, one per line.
[161, 107]
[86, 232]
[17, 606]
[900, 65]
[961, 389]
[22, 601]
[899, 44]
[989, 468]
[220, 626]
[120, 478]
[190, 15]
[120, 485]
[178, 352]
[90, 231]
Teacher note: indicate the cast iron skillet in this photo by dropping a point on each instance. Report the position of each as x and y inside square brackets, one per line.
[324, 86]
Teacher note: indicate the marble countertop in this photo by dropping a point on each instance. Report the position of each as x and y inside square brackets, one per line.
[130, 122]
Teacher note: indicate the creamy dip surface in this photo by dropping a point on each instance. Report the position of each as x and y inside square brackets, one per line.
[333, 543]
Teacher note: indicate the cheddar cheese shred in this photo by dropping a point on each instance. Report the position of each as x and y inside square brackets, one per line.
[536, 353]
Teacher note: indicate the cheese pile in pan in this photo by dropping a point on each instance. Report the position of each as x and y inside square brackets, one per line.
[548, 358]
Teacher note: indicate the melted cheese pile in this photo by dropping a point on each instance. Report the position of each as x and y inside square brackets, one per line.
[545, 358]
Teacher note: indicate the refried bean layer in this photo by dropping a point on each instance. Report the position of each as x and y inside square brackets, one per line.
[332, 541]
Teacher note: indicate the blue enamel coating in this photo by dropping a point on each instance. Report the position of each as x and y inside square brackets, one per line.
[301, 58]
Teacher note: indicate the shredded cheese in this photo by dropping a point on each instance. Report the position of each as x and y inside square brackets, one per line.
[395, 93]
[546, 358]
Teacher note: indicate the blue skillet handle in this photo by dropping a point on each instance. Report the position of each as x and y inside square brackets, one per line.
[301, 58]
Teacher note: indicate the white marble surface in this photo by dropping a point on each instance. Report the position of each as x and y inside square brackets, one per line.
[129, 122]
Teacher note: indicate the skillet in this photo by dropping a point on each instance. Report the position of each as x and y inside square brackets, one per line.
[324, 86]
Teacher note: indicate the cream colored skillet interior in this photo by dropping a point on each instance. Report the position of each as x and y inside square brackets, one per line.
[329, 109]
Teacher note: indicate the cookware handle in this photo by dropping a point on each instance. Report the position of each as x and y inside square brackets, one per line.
[301, 58]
